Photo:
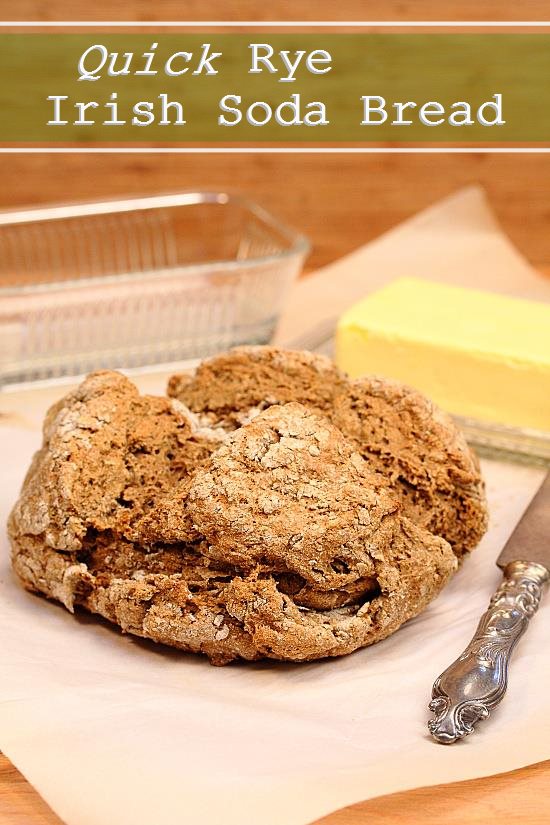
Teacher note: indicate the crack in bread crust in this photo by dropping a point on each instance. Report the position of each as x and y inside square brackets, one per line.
[227, 614]
[414, 446]
[111, 460]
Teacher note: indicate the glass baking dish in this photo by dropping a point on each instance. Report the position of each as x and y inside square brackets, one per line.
[140, 281]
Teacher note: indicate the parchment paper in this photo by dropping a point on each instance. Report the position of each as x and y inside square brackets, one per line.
[112, 729]
[456, 241]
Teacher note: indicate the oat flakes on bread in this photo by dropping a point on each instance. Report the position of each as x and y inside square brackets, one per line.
[416, 448]
[113, 516]
[288, 496]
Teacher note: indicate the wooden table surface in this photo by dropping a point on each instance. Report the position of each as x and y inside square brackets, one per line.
[517, 798]
[382, 191]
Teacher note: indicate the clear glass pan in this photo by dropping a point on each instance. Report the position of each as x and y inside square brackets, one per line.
[140, 281]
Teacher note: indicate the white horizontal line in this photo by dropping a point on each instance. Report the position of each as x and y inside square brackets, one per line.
[269, 23]
[277, 150]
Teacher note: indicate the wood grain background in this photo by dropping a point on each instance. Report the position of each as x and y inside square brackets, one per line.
[340, 202]
[275, 10]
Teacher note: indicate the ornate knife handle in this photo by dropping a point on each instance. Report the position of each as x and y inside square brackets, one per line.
[476, 682]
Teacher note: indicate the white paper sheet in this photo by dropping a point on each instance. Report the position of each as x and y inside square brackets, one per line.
[456, 241]
[112, 729]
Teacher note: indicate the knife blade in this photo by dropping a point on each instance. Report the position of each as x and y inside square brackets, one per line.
[476, 682]
[530, 541]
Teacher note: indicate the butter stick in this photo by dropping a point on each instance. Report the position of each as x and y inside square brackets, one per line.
[476, 354]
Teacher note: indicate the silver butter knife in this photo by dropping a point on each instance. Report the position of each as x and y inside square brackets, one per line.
[476, 682]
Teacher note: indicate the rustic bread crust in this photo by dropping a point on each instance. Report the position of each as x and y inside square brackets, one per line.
[137, 511]
[414, 446]
[226, 616]
[227, 388]
[111, 460]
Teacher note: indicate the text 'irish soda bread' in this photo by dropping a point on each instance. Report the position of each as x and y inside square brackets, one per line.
[415, 448]
[245, 528]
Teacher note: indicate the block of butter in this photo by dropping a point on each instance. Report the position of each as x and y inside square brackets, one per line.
[476, 354]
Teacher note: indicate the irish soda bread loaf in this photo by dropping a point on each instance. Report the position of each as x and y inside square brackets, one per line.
[270, 519]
